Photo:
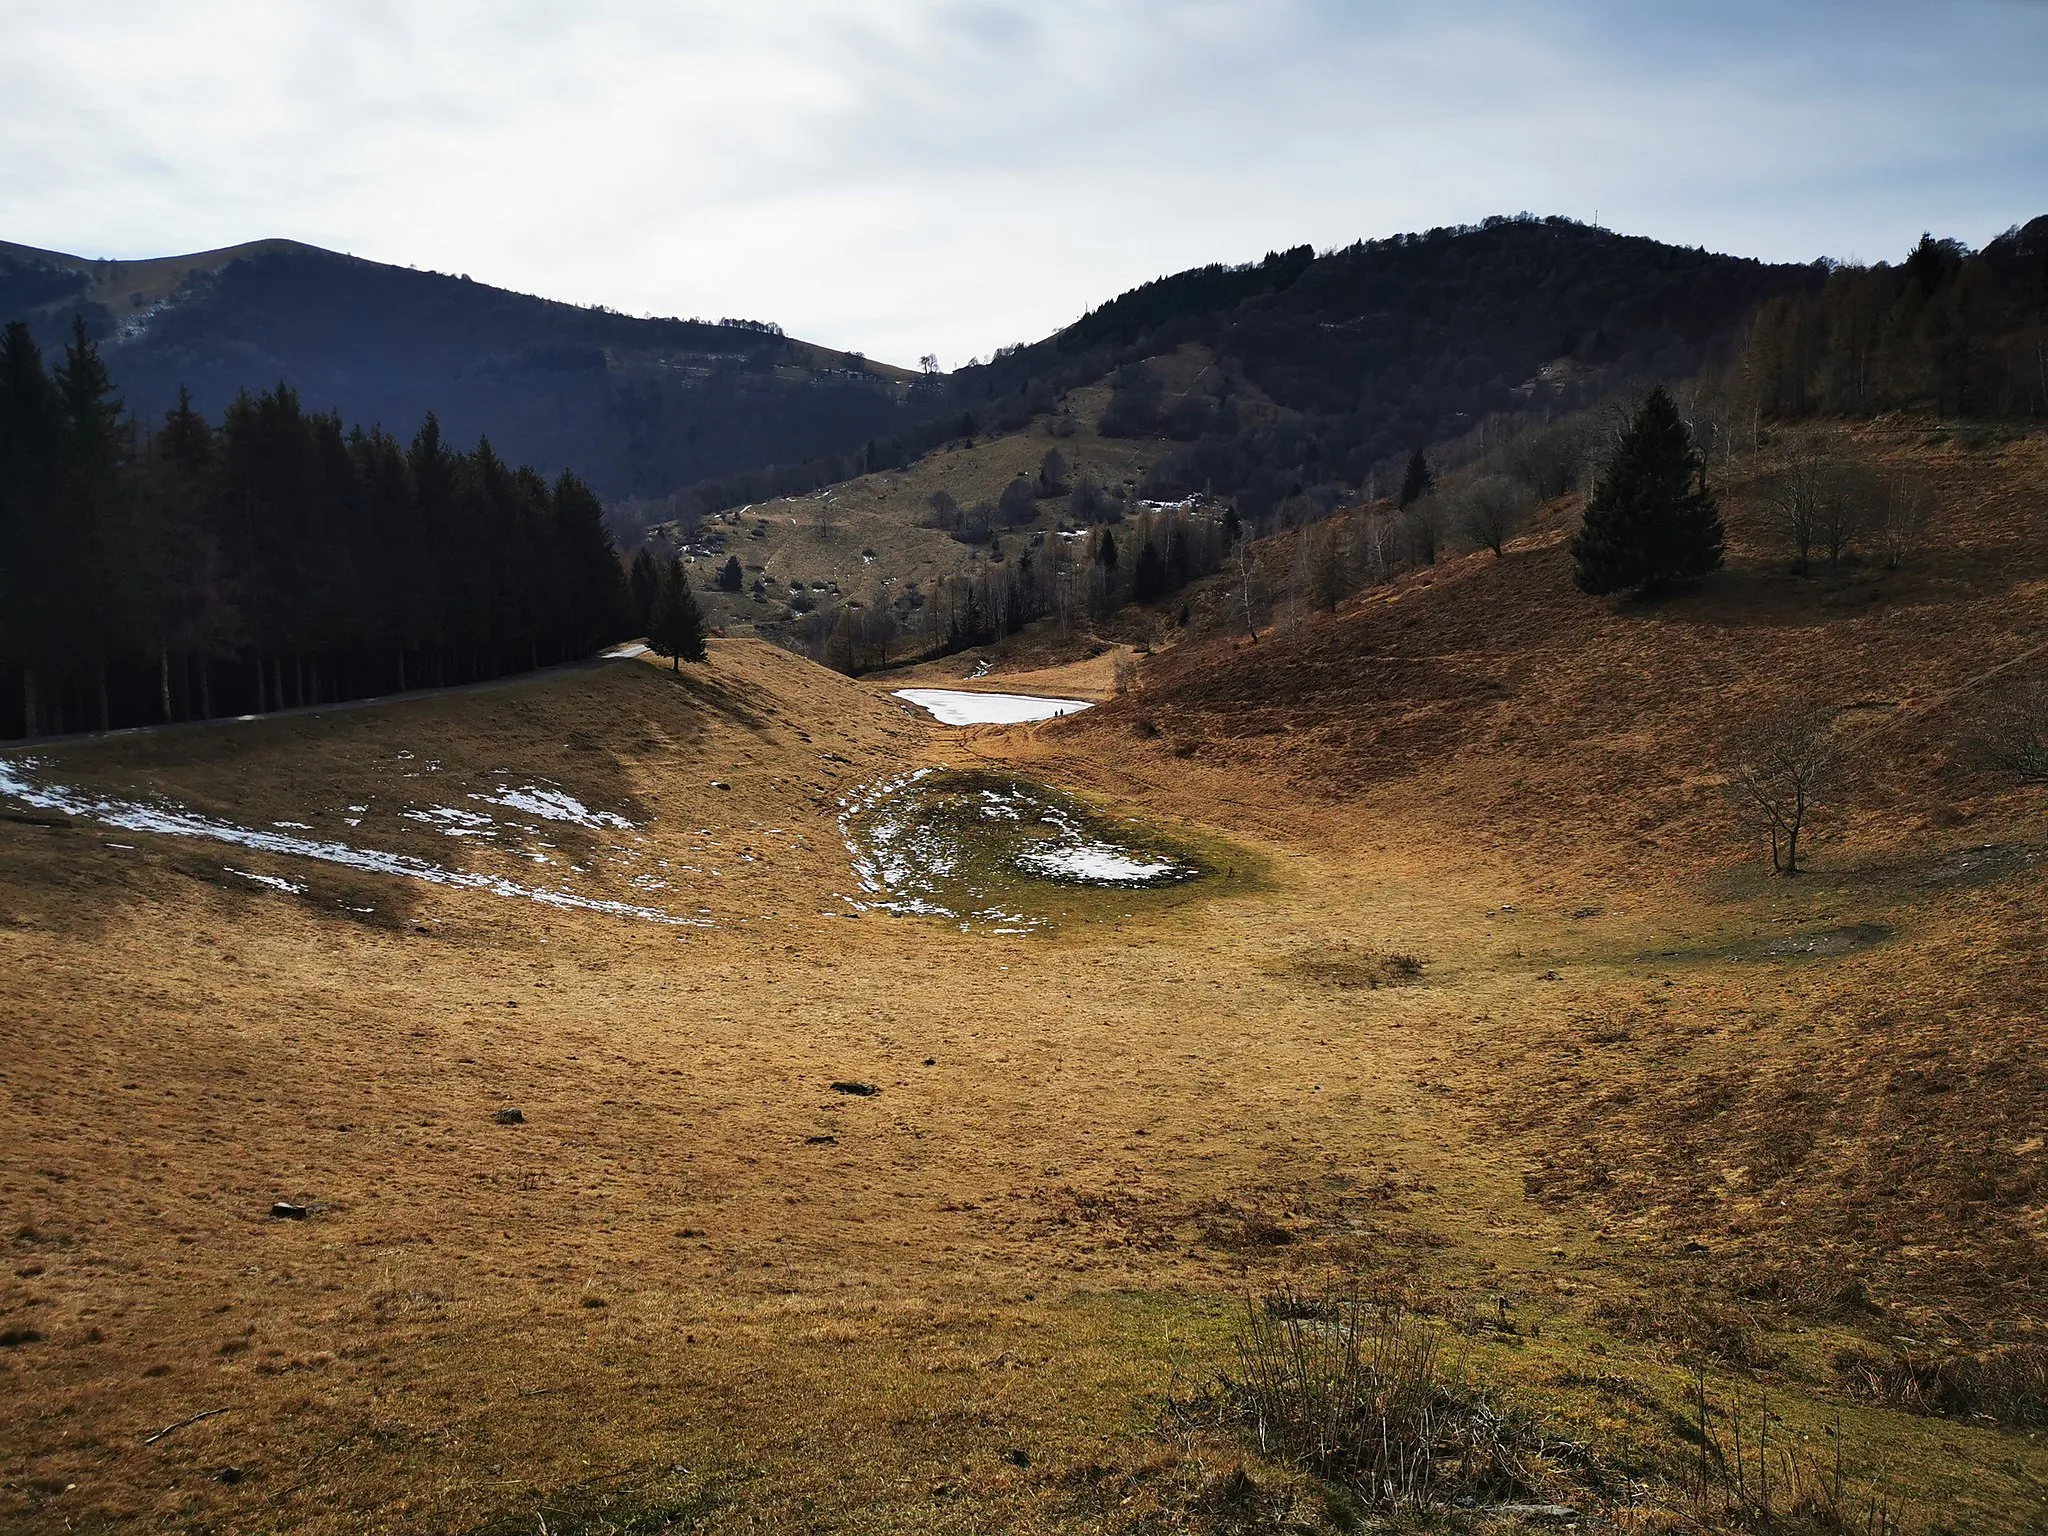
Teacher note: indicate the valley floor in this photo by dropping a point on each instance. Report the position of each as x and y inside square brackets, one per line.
[697, 1282]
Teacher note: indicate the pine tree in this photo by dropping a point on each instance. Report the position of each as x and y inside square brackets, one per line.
[730, 576]
[1179, 564]
[1105, 552]
[95, 573]
[593, 603]
[30, 480]
[1148, 576]
[645, 582]
[676, 629]
[1651, 522]
[1416, 483]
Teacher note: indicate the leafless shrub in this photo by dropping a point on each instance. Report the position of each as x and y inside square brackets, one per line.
[1367, 1396]
[1783, 766]
[1124, 672]
[1698, 1326]
[1744, 1481]
[1809, 1285]
[2008, 1385]
[2010, 735]
[1345, 968]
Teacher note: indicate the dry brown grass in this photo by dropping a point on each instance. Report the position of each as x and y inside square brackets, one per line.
[1602, 1099]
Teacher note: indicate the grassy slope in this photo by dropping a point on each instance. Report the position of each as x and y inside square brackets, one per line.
[989, 1256]
[1882, 1109]
[829, 536]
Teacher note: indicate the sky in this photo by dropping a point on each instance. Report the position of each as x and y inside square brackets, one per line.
[906, 177]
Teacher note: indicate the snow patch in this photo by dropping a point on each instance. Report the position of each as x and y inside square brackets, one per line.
[957, 706]
[18, 783]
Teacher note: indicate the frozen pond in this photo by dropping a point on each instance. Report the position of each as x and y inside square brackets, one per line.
[960, 706]
[998, 853]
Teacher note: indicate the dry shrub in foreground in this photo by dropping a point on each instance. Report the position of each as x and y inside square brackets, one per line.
[1744, 1480]
[1697, 1325]
[2008, 1386]
[1366, 1396]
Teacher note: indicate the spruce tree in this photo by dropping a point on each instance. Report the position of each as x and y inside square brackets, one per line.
[730, 576]
[1416, 483]
[1148, 576]
[676, 629]
[95, 573]
[645, 582]
[1651, 523]
[31, 446]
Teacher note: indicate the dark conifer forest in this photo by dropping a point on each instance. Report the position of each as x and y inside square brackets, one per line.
[182, 569]
[1960, 333]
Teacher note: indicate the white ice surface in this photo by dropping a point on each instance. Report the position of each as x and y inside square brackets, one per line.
[956, 706]
[1094, 862]
[554, 805]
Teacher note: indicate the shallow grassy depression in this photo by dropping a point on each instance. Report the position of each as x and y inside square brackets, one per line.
[1000, 853]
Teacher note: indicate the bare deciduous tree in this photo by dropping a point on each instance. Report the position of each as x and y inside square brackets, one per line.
[1422, 528]
[945, 511]
[1821, 500]
[1493, 508]
[1851, 496]
[1783, 767]
[1243, 557]
[1793, 496]
[1331, 577]
[1907, 501]
[1375, 551]
[2012, 734]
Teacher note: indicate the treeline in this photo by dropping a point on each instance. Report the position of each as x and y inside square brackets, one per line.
[1961, 333]
[1066, 576]
[151, 573]
[1145, 559]
[1131, 315]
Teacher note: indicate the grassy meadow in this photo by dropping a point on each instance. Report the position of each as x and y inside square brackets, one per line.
[1505, 1021]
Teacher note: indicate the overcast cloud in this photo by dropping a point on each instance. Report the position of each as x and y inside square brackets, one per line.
[905, 176]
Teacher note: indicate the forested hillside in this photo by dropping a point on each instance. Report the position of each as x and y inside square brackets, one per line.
[638, 407]
[174, 570]
[1365, 353]
[1961, 333]
[1330, 371]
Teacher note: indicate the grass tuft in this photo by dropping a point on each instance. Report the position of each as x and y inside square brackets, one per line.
[2007, 1386]
[1368, 1397]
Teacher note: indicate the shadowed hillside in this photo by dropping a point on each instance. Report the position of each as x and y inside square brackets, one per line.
[638, 407]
